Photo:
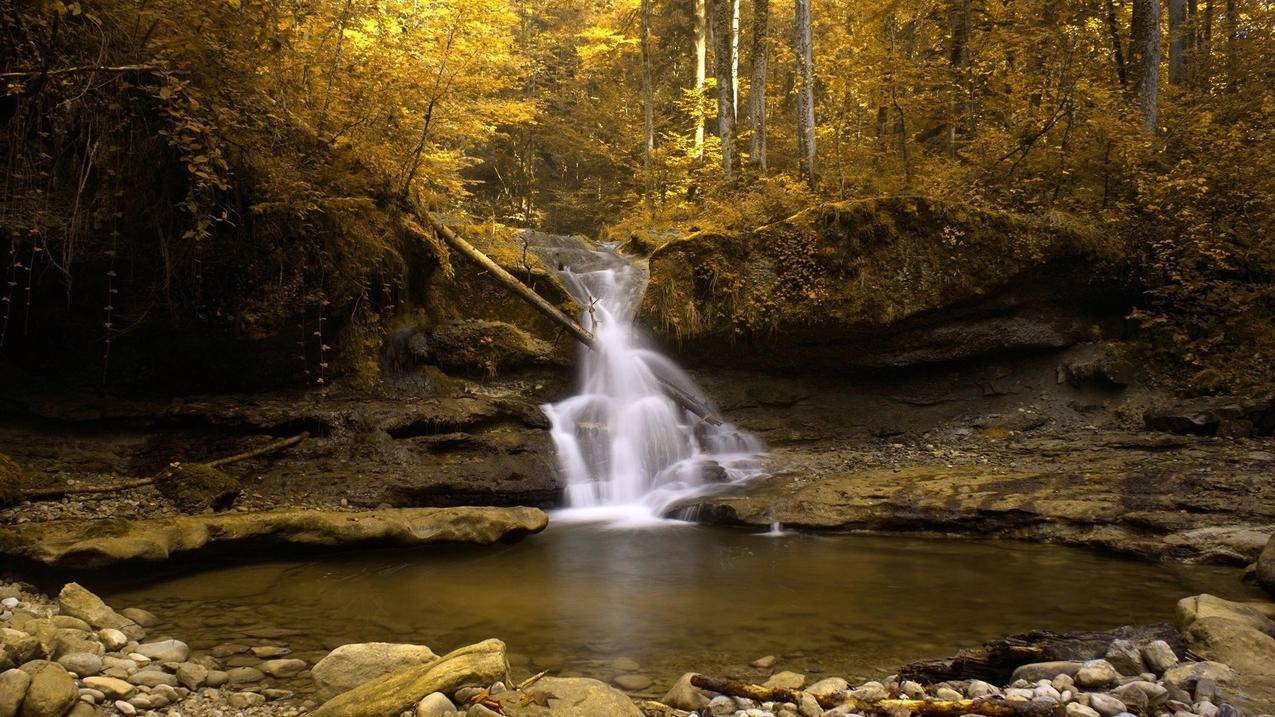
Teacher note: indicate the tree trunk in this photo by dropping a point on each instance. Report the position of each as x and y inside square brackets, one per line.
[757, 89]
[803, 48]
[648, 108]
[1145, 54]
[723, 38]
[701, 56]
[734, 57]
[1177, 42]
[1117, 44]
[959, 19]
[1232, 37]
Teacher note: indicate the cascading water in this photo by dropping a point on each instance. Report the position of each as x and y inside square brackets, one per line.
[621, 441]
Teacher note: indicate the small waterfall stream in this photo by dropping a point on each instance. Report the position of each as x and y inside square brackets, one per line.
[621, 441]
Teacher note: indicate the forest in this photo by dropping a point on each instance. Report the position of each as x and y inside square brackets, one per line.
[637, 358]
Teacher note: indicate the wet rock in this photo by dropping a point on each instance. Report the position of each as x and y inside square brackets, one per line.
[70, 623]
[111, 687]
[197, 487]
[485, 348]
[75, 601]
[112, 639]
[51, 693]
[266, 652]
[349, 666]
[435, 704]
[82, 709]
[764, 663]
[152, 678]
[17, 647]
[72, 641]
[786, 680]
[632, 682]
[1096, 673]
[245, 700]
[625, 664]
[685, 696]
[165, 651]
[192, 675]
[1106, 705]
[13, 687]
[284, 667]
[217, 678]
[141, 617]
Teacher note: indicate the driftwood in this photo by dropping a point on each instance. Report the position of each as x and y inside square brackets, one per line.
[987, 706]
[57, 493]
[539, 303]
[79, 70]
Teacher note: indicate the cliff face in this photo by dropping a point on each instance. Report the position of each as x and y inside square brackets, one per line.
[879, 283]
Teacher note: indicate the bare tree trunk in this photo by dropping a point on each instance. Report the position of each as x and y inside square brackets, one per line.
[959, 18]
[1177, 42]
[1117, 44]
[803, 48]
[734, 56]
[723, 38]
[1145, 56]
[648, 108]
[757, 90]
[701, 55]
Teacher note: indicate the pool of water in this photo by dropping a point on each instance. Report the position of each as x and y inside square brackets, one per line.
[675, 598]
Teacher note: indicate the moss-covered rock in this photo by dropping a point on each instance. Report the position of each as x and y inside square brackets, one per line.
[12, 479]
[196, 487]
[486, 348]
[852, 271]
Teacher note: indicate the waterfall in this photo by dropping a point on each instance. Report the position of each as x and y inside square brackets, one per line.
[621, 441]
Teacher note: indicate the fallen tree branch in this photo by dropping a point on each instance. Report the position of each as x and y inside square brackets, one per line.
[986, 706]
[83, 69]
[539, 303]
[56, 493]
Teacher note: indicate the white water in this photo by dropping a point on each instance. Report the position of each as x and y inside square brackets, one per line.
[624, 447]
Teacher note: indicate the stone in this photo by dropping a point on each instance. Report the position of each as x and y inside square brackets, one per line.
[125, 708]
[764, 663]
[82, 709]
[809, 705]
[786, 680]
[266, 652]
[284, 667]
[70, 623]
[435, 704]
[685, 696]
[571, 697]
[17, 647]
[1185, 676]
[947, 693]
[81, 664]
[1034, 671]
[1125, 657]
[1096, 673]
[13, 687]
[244, 700]
[478, 664]
[721, 706]
[151, 677]
[1245, 649]
[217, 678]
[1075, 709]
[349, 666]
[111, 687]
[229, 649]
[244, 675]
[77, 602]
[869, 692]
[1133, 696]
[192, 675]
[1106, 705]
[165, 651]
[112, 639]
[632, 682]
[275, 693]
[51, 693]
[979, 688]
[1199, 607]
[1158, 656]
[827, 687]
[68, 641]
[142, 617]
[625, 664]
[1265, 572]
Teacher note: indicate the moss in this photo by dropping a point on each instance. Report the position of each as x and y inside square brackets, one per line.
[485, 347]
[197, 487]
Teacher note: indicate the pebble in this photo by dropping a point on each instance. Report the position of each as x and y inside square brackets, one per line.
[1106, 705]
[633, 682]
[242, 675]
[266, 652]
[434, 704]
[625, 664]
[285, 667]
[125, 708]
[787, 680]
[1075, 709]
[765, 663]
[165, 651]
[112, 639]
[721, 706]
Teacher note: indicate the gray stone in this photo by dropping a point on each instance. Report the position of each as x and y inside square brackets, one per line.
[275, 693]
[1132, 695]
[217, 678]
[1159, 657]
[267, 652]
[809, 706]
[1106, 705]
[979, 688]
[625, 664]
[721, 706]
[1186, 675]
[81, 664]
[869, 692]
[1034, 671]
[685, 696]
[351, 665]
[1096, 673]
[192, 675]
[284, 667]
[13, 687]
[51, 693]
[632, 682]
[165, 651]
[151, 677]
[244, 675]
[436, 704]
[764, 663]
[112, 639]
[575, 697]
[125, 708]
[1125, 657]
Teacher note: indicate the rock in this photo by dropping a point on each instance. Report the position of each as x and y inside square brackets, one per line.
[112, 639]
[632, 682]
[1214, 415]
[1126, 658]
[275, 693]
[140, 616]
[192, 675]
[1096, 673]
[81, 664]
[244, 675]
[685, 696]
[77, 602]
[125, 708]
[1198, 607]
[17, 647]
[1235, 643]
[51, 692]
[267, 652]
[1133, 696]
[349, 666]
[435, 704]
[91, 544]
[764, 663]
[570, 697]
[13, 687]
[70, 623]
[1106, 705]
[787, 680]
[1185, 676]
[1075, 709]
[217, 678]
[285, 667]
[479, 664]
[979, 688]
[71, 641]
[869, 692]
[244, 700]
[229, 649]
[1266, 567]
[827, 687]
[82, 709]
[1158, 656]
[165, 651]
[1034, 671]
[111, 687]
[947, 693]
[153, 677]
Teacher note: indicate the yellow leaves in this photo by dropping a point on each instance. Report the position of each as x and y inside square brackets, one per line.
[600, 44]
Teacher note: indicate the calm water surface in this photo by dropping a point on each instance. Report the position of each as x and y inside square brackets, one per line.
[677, 598]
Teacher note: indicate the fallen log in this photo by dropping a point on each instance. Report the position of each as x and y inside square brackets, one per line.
[986, 706]
[539, 303]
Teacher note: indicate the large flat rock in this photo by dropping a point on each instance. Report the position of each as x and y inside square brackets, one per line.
[96, 543]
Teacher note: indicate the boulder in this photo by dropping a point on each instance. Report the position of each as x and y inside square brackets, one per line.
[97, 543]
[1159, 656]
[1186, 675]
[1266, 567]
[17, 647]
[1235, 643]
[1199, 607]
[75, 601]
[13, 687]
[485, 348]
[570, 697]
[685, 696]
[51, 693]
[477, 665]
[165, 651]
[349, 666]
[1126, 658]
